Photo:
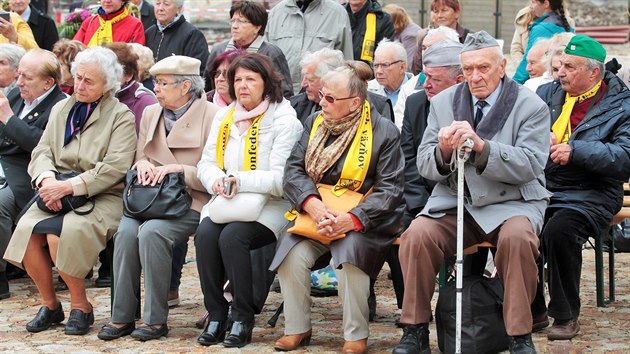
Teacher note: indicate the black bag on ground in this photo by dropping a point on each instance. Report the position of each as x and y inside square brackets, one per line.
[69, 202]
[483, 330]
[166, 200]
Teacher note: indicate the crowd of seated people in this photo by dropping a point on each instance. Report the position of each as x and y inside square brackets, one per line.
[266, 128]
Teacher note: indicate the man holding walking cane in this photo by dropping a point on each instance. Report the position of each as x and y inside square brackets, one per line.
[505, 195]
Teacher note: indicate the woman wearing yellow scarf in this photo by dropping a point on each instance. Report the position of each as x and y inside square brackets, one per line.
[112, 23]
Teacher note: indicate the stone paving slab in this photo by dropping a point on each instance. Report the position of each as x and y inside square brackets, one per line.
[604, 330]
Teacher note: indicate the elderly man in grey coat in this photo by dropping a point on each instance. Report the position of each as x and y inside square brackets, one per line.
[505, 195]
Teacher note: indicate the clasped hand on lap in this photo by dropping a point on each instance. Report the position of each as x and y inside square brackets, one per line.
[51, 191]
[149, 174]
[329, 222]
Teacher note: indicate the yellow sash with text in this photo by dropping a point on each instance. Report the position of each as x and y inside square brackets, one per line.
[562, 126]
[369, 39]
[250, 158]
[104, 33]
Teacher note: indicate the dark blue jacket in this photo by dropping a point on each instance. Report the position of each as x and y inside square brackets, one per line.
[592, 181]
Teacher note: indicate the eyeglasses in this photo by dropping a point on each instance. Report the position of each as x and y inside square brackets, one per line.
[331, 99]
[163, 84]
[238, 21]
[218, 73]
[385, 65]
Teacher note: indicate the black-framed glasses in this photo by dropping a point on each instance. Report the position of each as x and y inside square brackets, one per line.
[330, 98]
[385, 65]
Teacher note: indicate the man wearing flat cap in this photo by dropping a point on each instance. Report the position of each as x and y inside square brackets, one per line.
[589, 161]
[505, 191]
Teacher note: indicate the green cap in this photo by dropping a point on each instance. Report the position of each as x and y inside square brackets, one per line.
[585, 46]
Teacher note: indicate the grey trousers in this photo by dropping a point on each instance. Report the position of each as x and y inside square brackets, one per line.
[8, 213]
[295, 282]
[146, 247]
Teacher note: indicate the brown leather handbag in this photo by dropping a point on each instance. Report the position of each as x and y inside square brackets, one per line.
[305, 226]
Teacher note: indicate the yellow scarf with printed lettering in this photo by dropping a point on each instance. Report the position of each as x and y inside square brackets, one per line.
[104, 33]
[357, 161]
[250, 158]
[562, 126]
[369, 39]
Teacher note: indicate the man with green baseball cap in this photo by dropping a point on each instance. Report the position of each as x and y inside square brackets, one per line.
[588, 163]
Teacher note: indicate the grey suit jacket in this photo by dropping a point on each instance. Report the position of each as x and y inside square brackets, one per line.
[511, 183]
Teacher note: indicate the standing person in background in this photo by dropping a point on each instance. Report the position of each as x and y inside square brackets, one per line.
[298, 27]
[43, 27]
[248, 20]
[147, 13]
[370, 25]
[550, 19]
[17, 31]
[406, 30]
[443, 13]
[173, 35]
[111, 23]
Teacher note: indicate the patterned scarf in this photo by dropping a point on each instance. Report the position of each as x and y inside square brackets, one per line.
[78, 115]
[319, 157]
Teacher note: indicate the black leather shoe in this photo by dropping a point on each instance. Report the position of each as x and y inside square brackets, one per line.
[45, 318]
[149, 332]
[522, 344]
[415, 340]
[540, 322]
[4, 286]
[79, 322]
[214, 333]
[240, 334]
[109, 331]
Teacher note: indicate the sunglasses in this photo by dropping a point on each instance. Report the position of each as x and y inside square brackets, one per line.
[331, 99]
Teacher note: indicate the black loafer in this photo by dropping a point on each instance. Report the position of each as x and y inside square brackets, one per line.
[45, 318]
[103, 281]
[149, 332]
[240, 334]
[213, 334]
[79, 322]
[110, 332]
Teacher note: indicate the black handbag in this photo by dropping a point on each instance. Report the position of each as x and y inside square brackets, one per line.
[69, 202]
[483, 329]
[166, 200]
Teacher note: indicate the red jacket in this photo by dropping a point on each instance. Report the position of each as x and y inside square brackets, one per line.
[129, 30]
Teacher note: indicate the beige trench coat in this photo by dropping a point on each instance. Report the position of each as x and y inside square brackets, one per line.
[103, 152]
[183, 145]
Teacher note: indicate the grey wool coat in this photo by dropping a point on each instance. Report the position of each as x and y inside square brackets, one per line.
[380, 212]
[103, 152]
[512, 182]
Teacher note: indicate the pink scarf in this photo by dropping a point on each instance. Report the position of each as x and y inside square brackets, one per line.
[244, 118]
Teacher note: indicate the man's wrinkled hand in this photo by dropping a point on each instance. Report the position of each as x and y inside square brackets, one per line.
[560, 153]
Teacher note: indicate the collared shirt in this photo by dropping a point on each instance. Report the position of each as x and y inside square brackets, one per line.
[29, 106]
[490, 100]
[26, 15]
[161, 27]
[393, 96]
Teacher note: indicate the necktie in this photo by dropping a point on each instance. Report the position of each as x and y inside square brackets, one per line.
[479, 114]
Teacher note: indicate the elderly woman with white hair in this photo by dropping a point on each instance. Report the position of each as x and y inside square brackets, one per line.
[171, 140]
[10, 55]
[90, 138]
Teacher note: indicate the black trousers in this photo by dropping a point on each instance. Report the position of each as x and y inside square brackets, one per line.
[223, 250]
[562, 238]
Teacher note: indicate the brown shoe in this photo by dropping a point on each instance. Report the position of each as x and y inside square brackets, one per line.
[563, 330]
[355, 346]
[291, 342]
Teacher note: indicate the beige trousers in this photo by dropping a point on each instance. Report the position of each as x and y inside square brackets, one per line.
[295, 281]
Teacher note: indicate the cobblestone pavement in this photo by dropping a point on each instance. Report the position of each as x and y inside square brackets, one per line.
[604, 330]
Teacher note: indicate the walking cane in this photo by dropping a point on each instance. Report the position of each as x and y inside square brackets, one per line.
[463, 153]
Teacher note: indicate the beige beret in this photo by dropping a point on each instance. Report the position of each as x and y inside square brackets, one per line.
[176, 65]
